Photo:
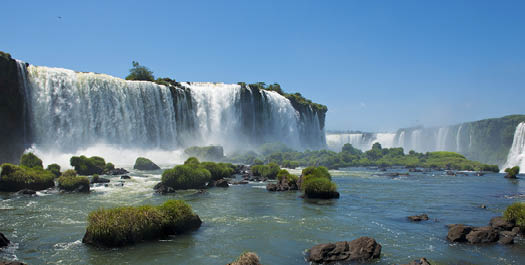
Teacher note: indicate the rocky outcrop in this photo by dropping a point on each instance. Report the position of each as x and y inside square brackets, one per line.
[221, 183]
[500, 223]
[458, 232]
[163, 189]
[116, 171]
[282, 185]
[362, 249]
[143, 163]
[247, 258]
[12, 263]
[26, 192]
[418, 218]
[484, 234]
[3, 241]
[499, 230]
[13, 112]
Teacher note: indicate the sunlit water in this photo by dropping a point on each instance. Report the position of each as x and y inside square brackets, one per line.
[278, 226]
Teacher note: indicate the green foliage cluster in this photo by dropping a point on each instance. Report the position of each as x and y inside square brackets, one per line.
[71, 173]
[513, 172]
[194, 174]
[73, 183]
[128, 225]
[317, 182]
[269, 171]
[286, 176]
[14, 178]
[90, 166]
[516, 213]
[377, 156]
[140, 72]
[208, 153]
[165, 81]
[30, 160]
[55, 169]
[143, 163]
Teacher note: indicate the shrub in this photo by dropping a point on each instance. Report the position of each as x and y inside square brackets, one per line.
[318, 187]
[55, 169]
[109, 167]
[73, 183]
[30, 160]
[512, 172]
[143, 163]
[187, 176]
[318, 172]
[218, 170]
[192, 161]
[14, 178]
[285, 175]
[516, 213]
[128, 225]
[69, 173]
[270, 171]
[95, 178]
[88, 166]
[139, 72]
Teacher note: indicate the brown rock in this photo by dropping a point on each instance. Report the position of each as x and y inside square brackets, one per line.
[484, 234]
[361, 249]
[458, 232]
[421, 261]
[247, 258]
[500, 223]
[506, 237]
[417, 218]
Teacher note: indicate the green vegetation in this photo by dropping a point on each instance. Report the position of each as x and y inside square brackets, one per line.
[218, 170]
[30, 160]
[109, 167]
[208, 153]
[73, 183]
[139, 72]
[55, 169]
[286, 176]
[129, 225]
[143, 163]
[69, 173]
[516, 213]
[269, 171]
[247, 258]
[14, 178]
[90, 166]
[512, 172]
[188, 176]
[317, 183]
[377, 156]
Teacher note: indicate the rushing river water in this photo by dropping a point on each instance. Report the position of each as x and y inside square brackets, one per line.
[279, 226]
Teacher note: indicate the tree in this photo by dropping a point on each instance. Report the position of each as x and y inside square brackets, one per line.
[139, 72]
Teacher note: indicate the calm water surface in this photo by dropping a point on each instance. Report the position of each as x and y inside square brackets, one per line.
[280, 227]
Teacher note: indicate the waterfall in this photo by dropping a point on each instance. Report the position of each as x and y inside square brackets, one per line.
[70, 111]
[362, 141]
[458, 138]
[516, 155]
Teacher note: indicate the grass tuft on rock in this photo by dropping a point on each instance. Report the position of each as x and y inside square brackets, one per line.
[73, 183]
[132, 224]
[14, 178]
[30, 160]
[143, 163]
[516, 213]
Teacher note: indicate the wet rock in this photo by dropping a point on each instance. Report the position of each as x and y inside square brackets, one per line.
[421, 261]
[500, 223]
[283, 185]
[99, 180]
[418, 218]
[516, 230]
[163, 189]
[247, 258]
[450, 173]
[414, 170]
[479, 174]
[3, 241]
[125, 177]
[117, 171]
[483, 206]
[458, 232]
[484, 234]
[506, 237]
[26, 192]
[221, 183]
[362, 249]
[324, 195]
[240, 182]
[12, 263]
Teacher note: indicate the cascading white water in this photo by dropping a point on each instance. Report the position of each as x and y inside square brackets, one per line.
[516, 155]
[441, 144]
[71, 111]
[458, 139]
[364, 142]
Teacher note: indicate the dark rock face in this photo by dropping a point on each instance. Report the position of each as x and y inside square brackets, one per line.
[362, 249]
[418, 218]
[13, 111]
[324, 195]
[507, 176]
[125, 177]
[117, 171]
[222, 183]
[421, 261]
[26, 192]
[458, 232]
[143, 163]
[484, 234]
[506, 238]
[100, 180]
[163, 189]
[500, 223]
[12, 263]
[3, 241]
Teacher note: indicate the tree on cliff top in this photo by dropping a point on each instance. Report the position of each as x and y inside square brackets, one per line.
[139, 72]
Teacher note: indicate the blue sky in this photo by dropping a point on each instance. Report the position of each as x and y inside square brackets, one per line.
[378, 65]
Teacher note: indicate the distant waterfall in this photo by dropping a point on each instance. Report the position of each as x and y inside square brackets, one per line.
[516, 155]
[69, 110]
[362, 141]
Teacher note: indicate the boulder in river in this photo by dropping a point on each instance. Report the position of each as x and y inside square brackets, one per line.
[3, 241]
[12, 263]
[163, 189]
[247, 258]
[26, 192]
[458, 232]
[222, 183]
[501, 224]
[117, 171]
[421, 261]
[362, 249]
[483, 234]
[143, 163]
[418, 218]
[125, 177]
[506, 237]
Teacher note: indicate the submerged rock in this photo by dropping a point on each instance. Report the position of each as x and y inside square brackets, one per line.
[125, 177]
[362, 249]
[247, 258]
[421, 261]
[26, 192]
[418, 218]
[4, 241]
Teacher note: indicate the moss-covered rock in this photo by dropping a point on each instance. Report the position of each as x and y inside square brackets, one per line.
[88, 166]
[316, 182]
[55, 169]
[186, 177]
[14, 178]
[247, 258]
[143, 163]
[515, 213]
[512, 172]
[73, 183]
[218, 170]
[129, 225]
[30, 160]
